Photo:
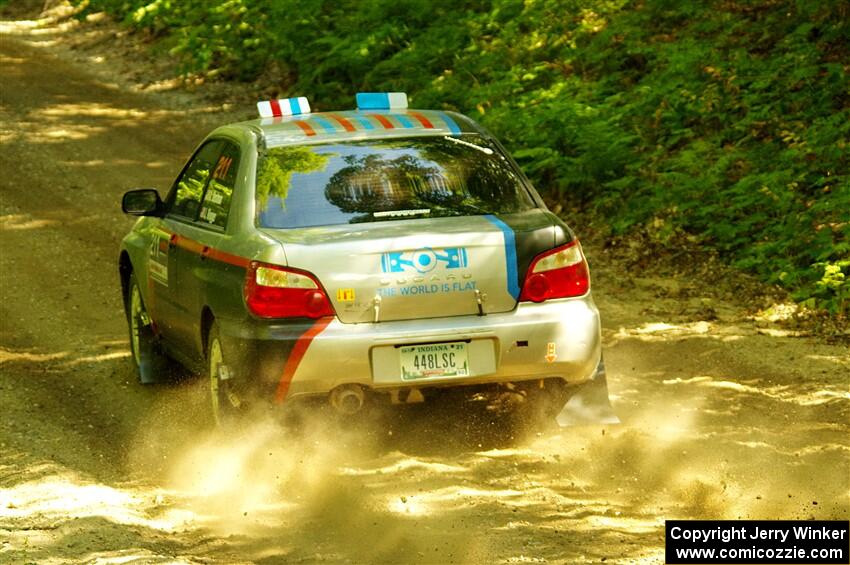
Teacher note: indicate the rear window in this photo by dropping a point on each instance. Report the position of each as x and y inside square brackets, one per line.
[377, 180]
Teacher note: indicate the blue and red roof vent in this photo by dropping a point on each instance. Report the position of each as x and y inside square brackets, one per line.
[283, 107]
[381, 101]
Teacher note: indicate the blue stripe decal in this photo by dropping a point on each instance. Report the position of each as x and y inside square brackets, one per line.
[510, 254]
[373, 101]
[365, 123]
[453, 127]
[403, 121]
[294, 106]
[328, 127]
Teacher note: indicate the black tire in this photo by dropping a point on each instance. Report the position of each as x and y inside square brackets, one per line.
[228, 391]
[151, 364]
[541, 405]
[548, 402]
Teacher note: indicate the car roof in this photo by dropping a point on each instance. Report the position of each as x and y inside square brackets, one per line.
[355, 125]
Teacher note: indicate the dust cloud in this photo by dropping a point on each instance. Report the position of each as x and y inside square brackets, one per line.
[446, 483]
[315, 487]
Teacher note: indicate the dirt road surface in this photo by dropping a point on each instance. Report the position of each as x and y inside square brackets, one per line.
[720, 419]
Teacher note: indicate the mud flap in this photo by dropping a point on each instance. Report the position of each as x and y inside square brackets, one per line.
[590, 403]
[153, 365]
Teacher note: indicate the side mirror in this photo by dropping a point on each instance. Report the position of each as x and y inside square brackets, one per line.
[142, 202]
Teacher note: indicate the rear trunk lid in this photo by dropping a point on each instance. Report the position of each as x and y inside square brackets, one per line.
[418, 268]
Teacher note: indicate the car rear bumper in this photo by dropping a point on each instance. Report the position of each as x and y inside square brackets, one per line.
[559, 338]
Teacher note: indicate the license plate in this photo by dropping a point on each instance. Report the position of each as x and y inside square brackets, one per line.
[434, 360]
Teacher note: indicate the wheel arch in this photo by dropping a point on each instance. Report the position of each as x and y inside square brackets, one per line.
[125, 269]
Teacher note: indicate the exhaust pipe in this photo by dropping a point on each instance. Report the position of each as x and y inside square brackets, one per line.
[348, 399]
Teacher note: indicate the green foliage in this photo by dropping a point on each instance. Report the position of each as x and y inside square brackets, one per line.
[832, 291]
[725, 119]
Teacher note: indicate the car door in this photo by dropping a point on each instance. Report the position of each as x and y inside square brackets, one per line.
[176, 238]
[200, 271]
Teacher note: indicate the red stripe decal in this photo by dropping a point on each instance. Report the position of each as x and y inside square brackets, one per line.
[223, 257]
[305, 126]
[275, 108]
[426, 123]
[343, 122]
[297, 354]
[384, 122]
[187, 244]
[194, 247]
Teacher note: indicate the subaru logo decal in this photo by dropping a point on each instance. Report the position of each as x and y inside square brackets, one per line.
[423, 260]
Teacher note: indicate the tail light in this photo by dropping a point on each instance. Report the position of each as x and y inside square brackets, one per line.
[558, 273]
[280, 292]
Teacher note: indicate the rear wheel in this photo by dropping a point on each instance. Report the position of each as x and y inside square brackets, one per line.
[549, 399]
[228, 398]
[537, 404]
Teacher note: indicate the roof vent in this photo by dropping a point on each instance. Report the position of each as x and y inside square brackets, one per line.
[381, 100]
[283, 107]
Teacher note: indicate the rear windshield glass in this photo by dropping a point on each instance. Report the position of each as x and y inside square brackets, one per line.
[376, 180]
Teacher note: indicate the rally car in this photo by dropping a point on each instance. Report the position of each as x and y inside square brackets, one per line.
[381, 253]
